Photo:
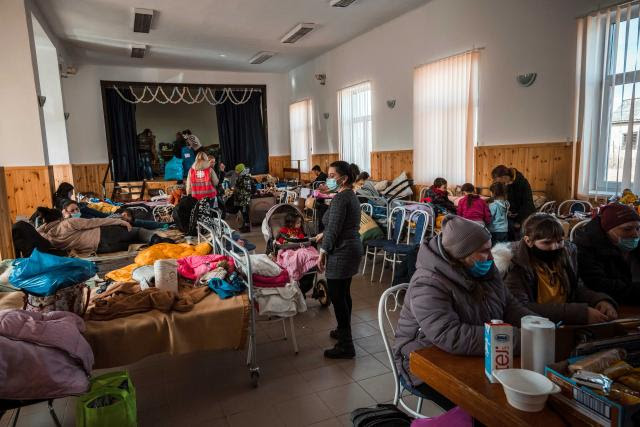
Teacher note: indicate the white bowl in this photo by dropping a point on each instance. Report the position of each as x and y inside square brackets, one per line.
[526, 390]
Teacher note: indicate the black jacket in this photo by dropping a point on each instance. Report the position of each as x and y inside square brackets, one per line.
[341, 239]
[520, 198]
[602, 266]
[322, 177]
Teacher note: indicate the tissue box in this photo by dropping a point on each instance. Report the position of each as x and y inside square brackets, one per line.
[588, 406]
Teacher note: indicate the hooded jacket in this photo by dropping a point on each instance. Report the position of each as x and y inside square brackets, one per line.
[79, 234]
[446, 307]
[603, 267]
[520, 197]
[522, 281]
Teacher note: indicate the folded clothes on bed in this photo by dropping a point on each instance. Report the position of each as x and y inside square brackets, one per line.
[227, 289]
[271, 282]
[126, 298]
[193, 267]
[298, 261]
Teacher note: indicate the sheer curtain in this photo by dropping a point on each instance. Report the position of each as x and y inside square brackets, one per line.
[301, 133]
[608, 114]
[444, 118]
[354, 112]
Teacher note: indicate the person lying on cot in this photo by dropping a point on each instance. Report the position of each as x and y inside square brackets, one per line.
[129, 216]
[64, 195]
[543, 275]
[99, 235]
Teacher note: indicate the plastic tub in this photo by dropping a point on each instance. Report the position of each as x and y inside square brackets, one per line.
[526, 390]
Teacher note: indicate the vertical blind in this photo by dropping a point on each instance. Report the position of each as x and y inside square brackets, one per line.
[608, 111]
[444, 118]
[301, 129]
[354, 108]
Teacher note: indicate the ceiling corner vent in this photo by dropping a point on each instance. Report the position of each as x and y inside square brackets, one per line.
[260, 57]
[298, 32]
[142, 20]
[341, 3]
[138, 51]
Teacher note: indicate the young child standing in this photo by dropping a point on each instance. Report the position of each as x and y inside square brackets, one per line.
[472, 207]
[499, 208]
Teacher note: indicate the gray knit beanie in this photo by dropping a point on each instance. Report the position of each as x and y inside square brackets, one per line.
[461, 237]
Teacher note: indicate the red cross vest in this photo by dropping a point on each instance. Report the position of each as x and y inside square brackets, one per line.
[201, 185]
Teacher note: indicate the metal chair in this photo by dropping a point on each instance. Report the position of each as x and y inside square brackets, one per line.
[548, 207]
[575, 206]
[395, 223]
[367, 208]
[385, 324]
[421, 219]
[575, 227]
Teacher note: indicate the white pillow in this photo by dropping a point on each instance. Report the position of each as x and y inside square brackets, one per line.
[263, 265]
[398, 180]
[381, 185]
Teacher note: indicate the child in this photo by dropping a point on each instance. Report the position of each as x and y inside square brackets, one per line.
[438, 196]
[499, 208]
[472, 207]
[292, 228]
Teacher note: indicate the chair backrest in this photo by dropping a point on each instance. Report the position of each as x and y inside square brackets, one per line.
[367, 208]
[421, 221]
[389, 308]
[574, 206]
[396, 223]
[576, 227]
[548, 207]
[423, 193]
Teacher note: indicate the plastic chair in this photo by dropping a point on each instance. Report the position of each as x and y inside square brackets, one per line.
[395, 223]
[421, 220]
[575, 227]
[396, 293]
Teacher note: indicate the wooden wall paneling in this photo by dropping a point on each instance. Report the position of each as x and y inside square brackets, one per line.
[6, 242]
[277, 164]
[157, 185]
[88, 178]
[389, 164]
[324, 160]
[61, 173]
[27, 188]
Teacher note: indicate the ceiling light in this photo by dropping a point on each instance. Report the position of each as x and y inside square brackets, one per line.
[223, 55]
[298, 32]
[138, 51]
[341, 3]
[260, 57]
[142, 20]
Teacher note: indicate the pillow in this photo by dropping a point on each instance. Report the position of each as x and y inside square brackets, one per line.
[369, 229]
[395, 182]
[264, 266]
[381, 185]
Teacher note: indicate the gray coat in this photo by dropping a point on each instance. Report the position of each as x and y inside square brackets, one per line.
[446, 307]
[522, 281]
[341, 240]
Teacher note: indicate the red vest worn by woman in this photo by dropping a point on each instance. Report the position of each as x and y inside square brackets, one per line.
[201, 185]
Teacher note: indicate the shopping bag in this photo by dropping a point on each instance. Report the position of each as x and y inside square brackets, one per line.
[44, 274]
[111, 401]
[173, 169]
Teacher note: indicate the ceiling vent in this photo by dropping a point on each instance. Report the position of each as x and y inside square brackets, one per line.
[298, 32]
[138, 51]
[142, 20]
[260, 57]
[341, 3]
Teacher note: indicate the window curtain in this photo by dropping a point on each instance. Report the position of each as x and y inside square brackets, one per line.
[354, 112]
[607, 112]
[241, 133]
[444, 118]
[301, 133]
[121, 123]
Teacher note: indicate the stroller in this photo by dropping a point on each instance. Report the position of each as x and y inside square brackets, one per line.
[312, 279]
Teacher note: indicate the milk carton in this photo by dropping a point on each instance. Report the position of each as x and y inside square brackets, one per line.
[498, 347]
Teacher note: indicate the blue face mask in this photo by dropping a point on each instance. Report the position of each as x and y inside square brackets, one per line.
[76, 215]
[627, 245]
[480, 268]
[332, 184]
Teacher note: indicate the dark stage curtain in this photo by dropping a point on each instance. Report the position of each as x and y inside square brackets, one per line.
[121, 122]
[241, 134]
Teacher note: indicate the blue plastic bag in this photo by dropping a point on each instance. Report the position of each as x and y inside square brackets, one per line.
[43, 274]
[173, 169]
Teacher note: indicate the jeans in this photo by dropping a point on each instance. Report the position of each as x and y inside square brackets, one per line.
[340, 295]
[426, 392]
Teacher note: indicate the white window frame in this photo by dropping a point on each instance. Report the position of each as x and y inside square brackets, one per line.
[363, 120]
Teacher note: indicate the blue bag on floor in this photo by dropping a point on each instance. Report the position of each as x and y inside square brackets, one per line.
[43, 274]
[173, 169]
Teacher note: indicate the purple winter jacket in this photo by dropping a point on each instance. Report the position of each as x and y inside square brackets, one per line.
[43, 355]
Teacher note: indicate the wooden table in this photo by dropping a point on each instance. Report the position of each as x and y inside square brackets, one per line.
[462, 380]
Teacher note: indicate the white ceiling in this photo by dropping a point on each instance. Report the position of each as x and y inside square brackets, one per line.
[212, 34]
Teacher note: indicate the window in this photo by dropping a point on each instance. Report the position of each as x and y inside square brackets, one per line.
[354, 114]
[301, 127]
[444, 118]
[611, 93]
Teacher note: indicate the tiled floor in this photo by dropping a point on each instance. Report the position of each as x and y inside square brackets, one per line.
[213, 388]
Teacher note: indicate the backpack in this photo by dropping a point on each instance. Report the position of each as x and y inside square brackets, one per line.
[26, 238]
[182, 212]
[380, 416]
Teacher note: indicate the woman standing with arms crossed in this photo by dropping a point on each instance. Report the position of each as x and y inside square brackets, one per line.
[340, 253]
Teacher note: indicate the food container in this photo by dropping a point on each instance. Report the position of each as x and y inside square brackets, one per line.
[526, 390]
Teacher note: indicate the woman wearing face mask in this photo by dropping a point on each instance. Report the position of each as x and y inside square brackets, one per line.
[608, 255]
[454, 291]
[543, 275]
[70, 209]
[340, 253]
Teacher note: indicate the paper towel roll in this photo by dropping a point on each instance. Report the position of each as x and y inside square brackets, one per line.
[166, 274]
[537, 343]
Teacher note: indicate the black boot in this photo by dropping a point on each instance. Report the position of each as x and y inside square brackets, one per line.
[334, 334]
[344, 347]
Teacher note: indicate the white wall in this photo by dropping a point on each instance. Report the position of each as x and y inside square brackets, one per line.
[518, 36]
[86, 127]
[20, 131]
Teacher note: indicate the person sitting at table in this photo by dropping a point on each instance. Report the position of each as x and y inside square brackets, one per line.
[456, 289]
[543, 275]
[608, 254]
